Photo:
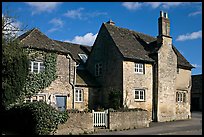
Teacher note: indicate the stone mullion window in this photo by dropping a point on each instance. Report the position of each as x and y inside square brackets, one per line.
[180, 97]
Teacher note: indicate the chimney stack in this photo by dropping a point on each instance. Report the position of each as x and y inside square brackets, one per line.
[164, 24]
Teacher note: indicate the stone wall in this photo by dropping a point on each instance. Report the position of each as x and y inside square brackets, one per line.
[61, 85]
[77, 123]
[183, 83]
[132, 81]
[128, 120]
[88, 98]
[167, 72]
[105, 52]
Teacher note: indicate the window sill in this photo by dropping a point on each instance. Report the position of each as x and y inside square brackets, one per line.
[139, 100]
[78, 101]
[139, 73]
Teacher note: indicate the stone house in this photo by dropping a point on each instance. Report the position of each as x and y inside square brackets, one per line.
[149, 71]
[72, 89]
[196, 93]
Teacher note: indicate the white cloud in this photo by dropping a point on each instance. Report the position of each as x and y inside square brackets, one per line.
[81, 14]
[196, 65]
[132, 5]
[87, 39]
[195, 13]
[53, 29]
[57, 22]
[74, 13]
[154, 4]
[191, 36]
[43, 6]
[165, 5]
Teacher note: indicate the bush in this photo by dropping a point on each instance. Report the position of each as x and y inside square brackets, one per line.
[36, 118]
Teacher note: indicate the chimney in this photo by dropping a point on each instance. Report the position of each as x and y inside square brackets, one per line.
[164, 24]
[111, 22]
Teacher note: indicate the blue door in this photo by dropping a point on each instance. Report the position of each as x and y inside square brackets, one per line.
[61, 102]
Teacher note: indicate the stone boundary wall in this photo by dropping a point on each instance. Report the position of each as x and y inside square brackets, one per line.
[81, 122]
[121, 120]
[77, 123]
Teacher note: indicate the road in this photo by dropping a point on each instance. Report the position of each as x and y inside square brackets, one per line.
[181, 127]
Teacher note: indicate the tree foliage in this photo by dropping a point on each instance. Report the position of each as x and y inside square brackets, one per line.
[14, 66]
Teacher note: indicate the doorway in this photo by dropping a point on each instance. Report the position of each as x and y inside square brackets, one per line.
[61, 102]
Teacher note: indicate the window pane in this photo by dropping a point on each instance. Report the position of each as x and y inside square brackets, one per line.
[42, 67]
[141, 95]
[184, 97]
[76, 95]
[136, 94]
[80, 95]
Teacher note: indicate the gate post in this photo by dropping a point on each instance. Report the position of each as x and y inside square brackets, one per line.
[93, 116]
[106, 118]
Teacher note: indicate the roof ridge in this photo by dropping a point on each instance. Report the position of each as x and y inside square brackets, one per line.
[72, 43]
[132, 31]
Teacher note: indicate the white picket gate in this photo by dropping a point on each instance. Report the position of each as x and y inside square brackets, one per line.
[100, 119]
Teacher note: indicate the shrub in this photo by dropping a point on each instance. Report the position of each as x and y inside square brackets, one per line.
[36, 118]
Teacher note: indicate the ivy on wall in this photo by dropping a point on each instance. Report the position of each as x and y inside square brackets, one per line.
[38, 81]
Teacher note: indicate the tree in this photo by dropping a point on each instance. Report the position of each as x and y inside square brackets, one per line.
[14, 64]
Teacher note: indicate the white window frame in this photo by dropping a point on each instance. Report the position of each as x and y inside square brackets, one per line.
[141, 92]
[79, 95]
[30, 99]
[180, 96]
[98, 69]
[139, 68]
[39, 66]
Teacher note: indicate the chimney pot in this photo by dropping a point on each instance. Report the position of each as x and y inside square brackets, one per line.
[111, 22]
[165, 15]
[161, 14]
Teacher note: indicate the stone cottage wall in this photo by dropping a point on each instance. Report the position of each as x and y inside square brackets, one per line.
[132, 81]
[128, 120]
[61, 85]
[105, 52]
[88, 98]
[183, 83]
[167, 72]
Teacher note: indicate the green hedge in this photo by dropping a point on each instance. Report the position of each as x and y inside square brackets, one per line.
[36, 118]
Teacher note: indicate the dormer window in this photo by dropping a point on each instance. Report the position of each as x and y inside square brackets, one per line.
[36, 66]
[83, 57]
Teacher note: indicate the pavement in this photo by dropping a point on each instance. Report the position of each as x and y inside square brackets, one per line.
[191, 126]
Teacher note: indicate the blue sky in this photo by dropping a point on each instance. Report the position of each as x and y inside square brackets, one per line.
[79, 22]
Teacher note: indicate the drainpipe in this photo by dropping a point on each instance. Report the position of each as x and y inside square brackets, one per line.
[72, 83]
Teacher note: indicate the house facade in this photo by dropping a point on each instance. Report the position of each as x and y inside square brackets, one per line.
[149, 72]
[71, 89]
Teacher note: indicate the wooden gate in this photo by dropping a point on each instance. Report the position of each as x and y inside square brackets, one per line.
[100, 119]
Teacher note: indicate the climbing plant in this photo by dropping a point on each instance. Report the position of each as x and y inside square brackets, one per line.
[38, 81]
